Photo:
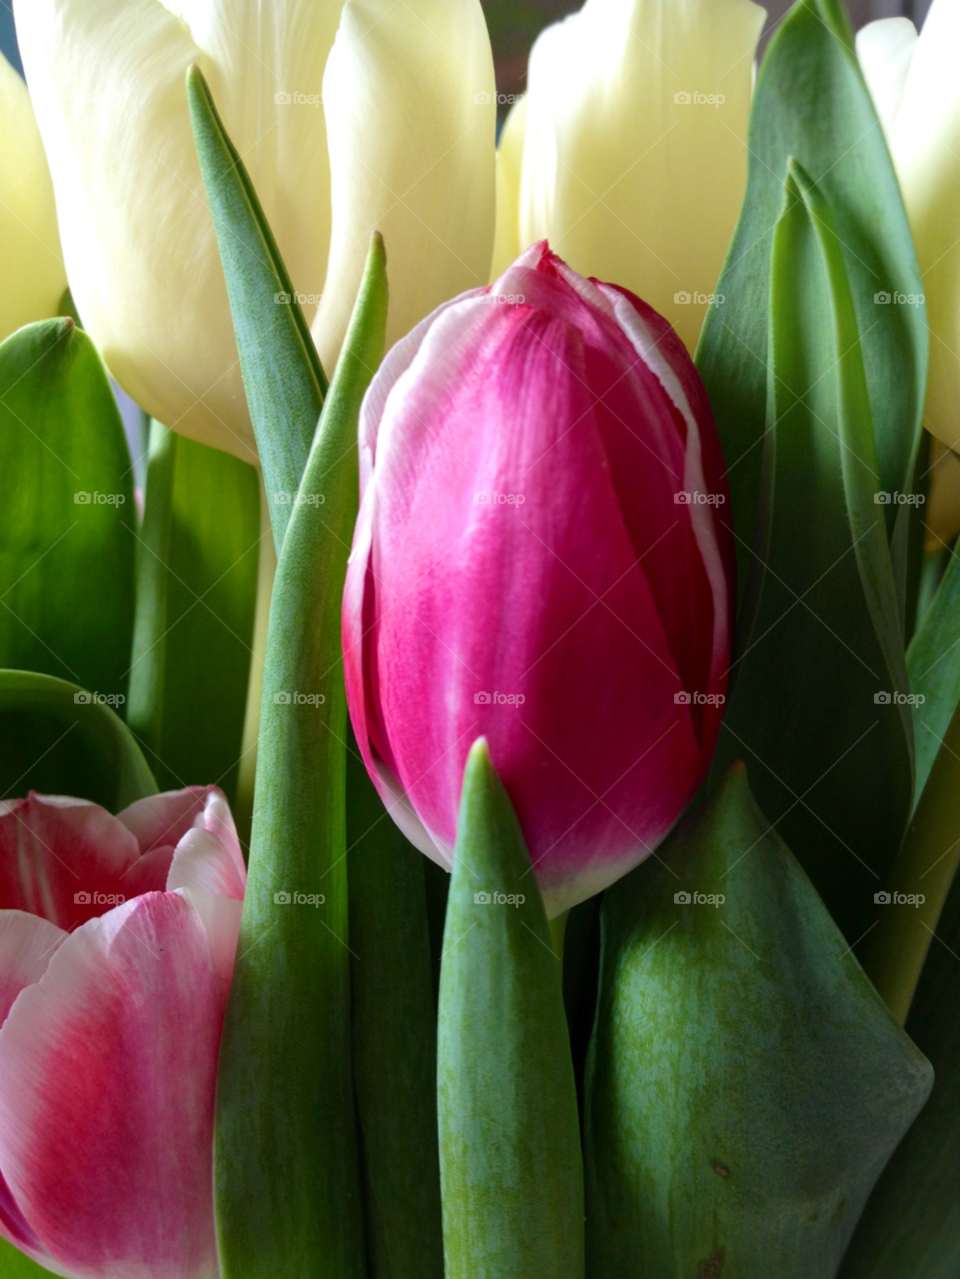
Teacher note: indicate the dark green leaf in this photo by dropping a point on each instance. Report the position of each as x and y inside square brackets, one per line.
[282, 375]
[746, 1085]
[394, 1039]
[934, 664]
[196, 595]
[830, 765]
[56, 739]
[811, 103]
[509, 1140]
[287, 1181]
[66, 515]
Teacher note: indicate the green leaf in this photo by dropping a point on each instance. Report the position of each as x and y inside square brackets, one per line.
[911, 1226]
[394, 1039]
[55, 738]
[510, 1159]
[66, 539]
[282, 375]
[934, 664]
[811, 103]
[14, 1265]
[746, 1085]
[287, 1183]
[830, 765]
[196, 596]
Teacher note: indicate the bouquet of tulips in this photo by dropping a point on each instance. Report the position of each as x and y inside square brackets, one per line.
[479, 738]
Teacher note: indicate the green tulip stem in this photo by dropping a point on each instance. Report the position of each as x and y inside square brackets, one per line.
[558, 931]
[925, 866]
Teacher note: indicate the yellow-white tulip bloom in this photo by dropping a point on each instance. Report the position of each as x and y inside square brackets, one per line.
[32, 276]
[411, 122]
[634, 156]
[915, 84]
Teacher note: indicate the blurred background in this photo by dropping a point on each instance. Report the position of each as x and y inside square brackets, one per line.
[514, 25]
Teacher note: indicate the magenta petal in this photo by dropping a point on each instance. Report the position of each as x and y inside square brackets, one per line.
[107, 1076]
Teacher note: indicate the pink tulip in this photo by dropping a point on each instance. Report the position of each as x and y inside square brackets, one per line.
[117, 937]
[541, 558]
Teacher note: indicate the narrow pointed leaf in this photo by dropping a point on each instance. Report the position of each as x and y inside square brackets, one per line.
[811, 103]
[934, 663]
[831, 764]
[746, 1085]
[510, 1158]
[67, 512]
[394, 1039]
[197, 561]
[287, 1181]
[58, 738]
[282, 375]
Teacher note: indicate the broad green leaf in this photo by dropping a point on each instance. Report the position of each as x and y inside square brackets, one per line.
[911, 1226]
[196, 594]
[67, 516]
[811, 103]
[287, 1180]
[934, 664]
[282, 375]
[510, 1159]
[745, 1085]
[59, 739]
[394, 1039]
[14, 1265]
[831, 764]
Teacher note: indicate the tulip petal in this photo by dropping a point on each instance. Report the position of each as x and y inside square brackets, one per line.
[107, 1074]
[885, 49]
[409, 89]
[506, 245]
[27, 944]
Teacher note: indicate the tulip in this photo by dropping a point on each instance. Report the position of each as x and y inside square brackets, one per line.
[540, 559]
[634, 157]
[107, 81]
[117, 937]
[915, 87]
[32, 276]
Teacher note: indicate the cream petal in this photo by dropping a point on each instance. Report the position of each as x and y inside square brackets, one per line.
[506, 245]
[885, 49]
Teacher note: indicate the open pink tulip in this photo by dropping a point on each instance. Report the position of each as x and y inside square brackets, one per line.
[117, 938]
[541, 558]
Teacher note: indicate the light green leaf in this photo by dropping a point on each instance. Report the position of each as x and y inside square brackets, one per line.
[510, 1157]
[56, 739]
[282, 375]
[746, 1084]
[67, 516]
[14, 1265]
[287, 1181]
[196, 594]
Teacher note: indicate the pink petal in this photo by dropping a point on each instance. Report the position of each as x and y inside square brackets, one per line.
[107, 1076]
[164, 819]
[208, 857]
[27, 944]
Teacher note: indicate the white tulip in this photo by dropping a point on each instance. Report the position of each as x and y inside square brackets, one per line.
[634, 158]
[32, 275]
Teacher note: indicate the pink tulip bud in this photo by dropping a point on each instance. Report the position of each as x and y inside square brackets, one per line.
[117, 938]
[542, 558]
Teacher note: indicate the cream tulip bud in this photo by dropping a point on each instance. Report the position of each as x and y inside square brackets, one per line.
[411, 122]
[32, 275]
[107, 79]
[915, 86]
[635, 156]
